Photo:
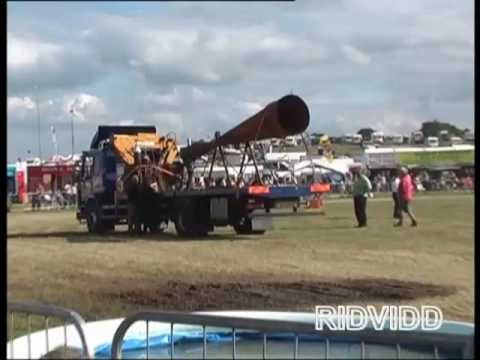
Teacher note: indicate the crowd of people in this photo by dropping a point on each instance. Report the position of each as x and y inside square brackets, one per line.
[42, 198]
[422, 181]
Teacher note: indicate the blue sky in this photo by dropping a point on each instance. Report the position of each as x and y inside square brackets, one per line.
[193, 68]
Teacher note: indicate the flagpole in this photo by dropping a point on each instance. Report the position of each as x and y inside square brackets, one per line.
[73, 136]
[54, 139]
[38, 124]
[56, 162]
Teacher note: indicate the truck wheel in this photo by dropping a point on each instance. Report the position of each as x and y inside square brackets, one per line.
[244, 227]
[157, 227]
[94, 223]
[186, 223]
[108, 225]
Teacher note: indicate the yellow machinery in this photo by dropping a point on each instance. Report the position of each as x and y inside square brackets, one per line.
[150, 157]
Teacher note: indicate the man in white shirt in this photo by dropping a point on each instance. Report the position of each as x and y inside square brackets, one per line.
[396, 201]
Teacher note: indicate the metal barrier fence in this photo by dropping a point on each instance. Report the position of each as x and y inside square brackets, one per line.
[47, 312]
[453, 342]
[438, 345]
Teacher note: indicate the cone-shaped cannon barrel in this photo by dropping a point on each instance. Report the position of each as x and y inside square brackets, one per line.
[286, 116]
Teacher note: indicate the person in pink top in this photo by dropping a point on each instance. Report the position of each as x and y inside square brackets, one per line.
[405, 195]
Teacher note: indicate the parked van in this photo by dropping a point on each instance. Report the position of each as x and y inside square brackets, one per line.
[443, 135]
[417, 137]
[455, 140]
[469, 136]
[357, 139]
[444, 138]
[378, 137]
[348, 138]
[432, 141]
[397, 139]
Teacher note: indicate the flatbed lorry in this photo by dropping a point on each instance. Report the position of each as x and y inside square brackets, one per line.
[104, 200]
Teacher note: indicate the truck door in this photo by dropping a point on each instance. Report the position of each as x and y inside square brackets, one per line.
[98, 173]
[85, 183]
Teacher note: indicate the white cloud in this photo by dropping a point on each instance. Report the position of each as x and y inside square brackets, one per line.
[355, 55]
[276, 43]
[15, 103]
[24, 53]
[166, 46]
[46, 64]
[126, 122]
[397, 122]
[170, 99]
[249, 107]
[85, 107]
[168, 122]
[88, 108]
[20, 109]
[199, 95]
[390, 120]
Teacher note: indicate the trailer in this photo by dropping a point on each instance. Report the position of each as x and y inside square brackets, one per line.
[417, 138]
[378, 137]
[114, 177]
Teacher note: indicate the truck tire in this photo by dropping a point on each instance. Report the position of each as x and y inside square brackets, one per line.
[95, 223]
[108, 225]
[186, 221]
[94, 226]
[244, 227]
[157, 227]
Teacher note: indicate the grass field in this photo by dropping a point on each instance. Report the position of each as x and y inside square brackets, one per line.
[305, 261]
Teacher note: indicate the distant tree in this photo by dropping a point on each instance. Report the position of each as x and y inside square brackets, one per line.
[366, 133]
[433, 128]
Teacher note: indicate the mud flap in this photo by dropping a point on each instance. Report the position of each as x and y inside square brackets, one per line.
[219, 211]
[262, 223]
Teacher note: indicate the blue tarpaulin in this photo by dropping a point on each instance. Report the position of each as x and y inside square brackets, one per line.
[160, 343]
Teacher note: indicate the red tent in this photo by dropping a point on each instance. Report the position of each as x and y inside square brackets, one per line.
[52, 176]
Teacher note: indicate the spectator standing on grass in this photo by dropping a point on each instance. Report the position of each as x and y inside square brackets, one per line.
[383, 180]
[405, 195]
[396, 201]
[361, 190]
[348, 182]
[342, 187]
[201, 182]
[133, 192]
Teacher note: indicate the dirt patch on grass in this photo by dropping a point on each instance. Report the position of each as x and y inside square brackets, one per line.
[275, 295]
